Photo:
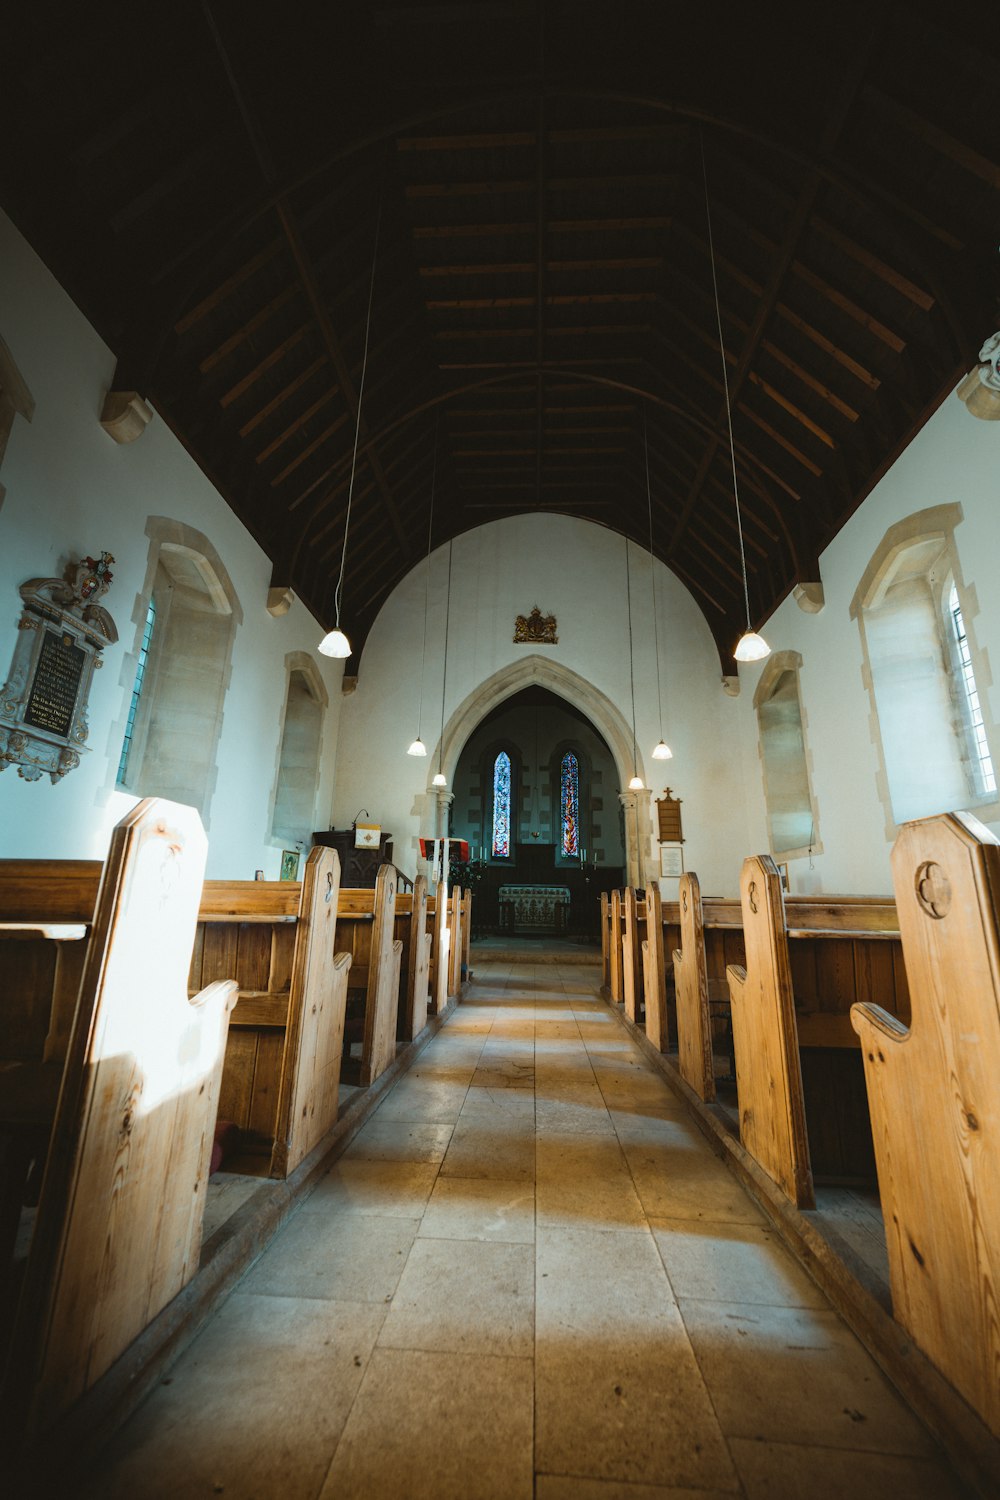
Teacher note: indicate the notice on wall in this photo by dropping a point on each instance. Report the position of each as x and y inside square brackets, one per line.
[671, 861]
[56, 683]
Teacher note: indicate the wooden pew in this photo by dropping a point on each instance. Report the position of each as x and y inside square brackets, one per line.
[934, 1093]
[366, 926]
[633, 929]
[615, 940]
[118, 1230]
[439, 921]
[768, 1074]
[842, 950]
[281, 1080]
[455, 943]
[415, 965]
[654, 974]
[467, 936]
[691, 992]
[605, 920]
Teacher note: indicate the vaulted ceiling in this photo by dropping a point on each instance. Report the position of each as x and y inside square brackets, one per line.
[214, 183]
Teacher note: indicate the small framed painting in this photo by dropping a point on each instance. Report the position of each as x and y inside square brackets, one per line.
[671, 861]
[289, 864]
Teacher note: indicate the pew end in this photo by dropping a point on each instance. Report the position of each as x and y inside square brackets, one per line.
[768, 1070]
[933, 1095]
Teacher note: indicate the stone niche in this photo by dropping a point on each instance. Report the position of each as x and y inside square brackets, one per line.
[60, 637]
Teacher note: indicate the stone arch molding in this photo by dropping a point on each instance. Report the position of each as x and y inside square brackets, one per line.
[530, 671]
[606, 718]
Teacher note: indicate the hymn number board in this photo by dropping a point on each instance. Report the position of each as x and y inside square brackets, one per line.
[60, 637]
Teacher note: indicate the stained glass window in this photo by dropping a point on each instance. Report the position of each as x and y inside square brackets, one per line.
[501, 806]
[140, 672]
[569, 782]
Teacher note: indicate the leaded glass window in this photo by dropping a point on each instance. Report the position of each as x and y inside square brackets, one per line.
[569, 783]
[982, 765]
[501, 806]
[140, 672]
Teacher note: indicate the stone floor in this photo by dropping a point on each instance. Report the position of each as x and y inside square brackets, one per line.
[528, 1276]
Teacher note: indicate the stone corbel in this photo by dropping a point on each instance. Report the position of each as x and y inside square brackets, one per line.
[731, 686]
[980, 390]
[279, 602]
[125, 416]
[810, 597]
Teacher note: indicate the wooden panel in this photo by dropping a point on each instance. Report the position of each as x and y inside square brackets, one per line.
[27, 982]
[467, 933]
[935, 1104]
[118, 1232]
[48, 890]
[418, 960]
[236, 1090]
[379, 1048]
[249, 900]
[253, 961]
[615, 940]
[263, 1120]
[654, 973]
[314, 1040]
[442, 949]
[605, 941]
[455, 944]
[631, 956]
[768, 1073]
[694, 1026]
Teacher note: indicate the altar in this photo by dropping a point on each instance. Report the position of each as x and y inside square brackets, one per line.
[528, 909]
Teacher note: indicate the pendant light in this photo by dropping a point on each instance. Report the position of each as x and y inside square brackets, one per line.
[662, 750]
[335, 642]
[636, 784]
[751, 646]
[440, 779]
[417, 746]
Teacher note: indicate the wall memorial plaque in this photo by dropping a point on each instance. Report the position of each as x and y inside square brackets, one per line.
[60, 637]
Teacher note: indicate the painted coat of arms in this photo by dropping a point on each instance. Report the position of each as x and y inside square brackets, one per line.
[535, 629]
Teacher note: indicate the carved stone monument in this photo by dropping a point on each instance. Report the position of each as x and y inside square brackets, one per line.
[60, 637]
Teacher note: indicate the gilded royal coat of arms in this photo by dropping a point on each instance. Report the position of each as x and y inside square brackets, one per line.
[535, 629]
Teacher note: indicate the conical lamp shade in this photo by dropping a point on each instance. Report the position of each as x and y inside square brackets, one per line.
[334, 643]
[663, 751]
[636, 784]
[751, 647]
[440, 779]
[418, 747]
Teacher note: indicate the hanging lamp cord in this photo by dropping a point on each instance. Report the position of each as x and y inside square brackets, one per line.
[444, 674]
[357, 424]
[631, 666]
[427, 573]
[725, 380]
[652, 575]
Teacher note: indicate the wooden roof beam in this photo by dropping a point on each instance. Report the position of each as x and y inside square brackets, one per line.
[805, 201]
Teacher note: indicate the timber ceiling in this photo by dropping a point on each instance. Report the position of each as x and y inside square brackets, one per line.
[207, 180]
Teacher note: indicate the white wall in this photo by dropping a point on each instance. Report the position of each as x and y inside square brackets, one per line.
[72, 491]
[576, 571]
[955, 458]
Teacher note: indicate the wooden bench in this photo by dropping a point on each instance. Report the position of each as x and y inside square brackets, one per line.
[277, 939]
[366, 928]
[616, 937]
[118, 1229]
[605, 921]
[934, 1093]
[654, 974]
[415, 962]
[633, 935]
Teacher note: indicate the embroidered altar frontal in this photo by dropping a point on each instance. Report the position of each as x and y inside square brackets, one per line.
[534, 908]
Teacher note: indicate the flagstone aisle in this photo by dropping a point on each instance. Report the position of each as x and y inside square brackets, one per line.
[528, 1276]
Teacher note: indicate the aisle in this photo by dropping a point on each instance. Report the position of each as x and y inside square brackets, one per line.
[527, 1276]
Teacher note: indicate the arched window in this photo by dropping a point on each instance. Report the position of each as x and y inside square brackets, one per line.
[791, 811]
[569, 804]
[173, 718]
[501, 806]
[292, 818]
[932, 730]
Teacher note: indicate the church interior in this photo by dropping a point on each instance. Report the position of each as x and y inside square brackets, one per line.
[499, 829]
